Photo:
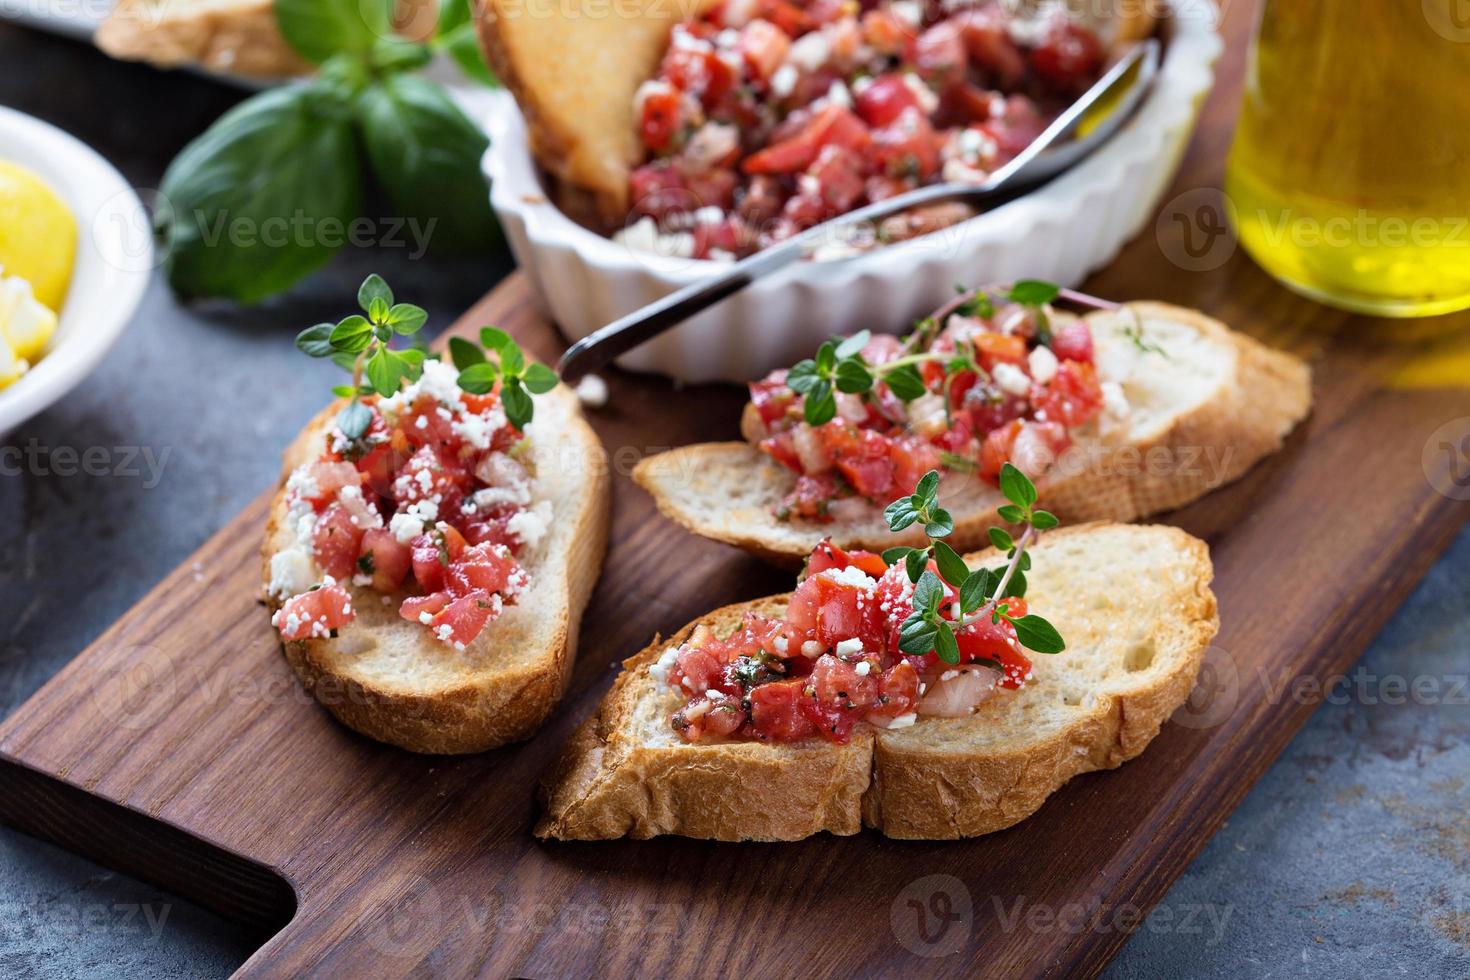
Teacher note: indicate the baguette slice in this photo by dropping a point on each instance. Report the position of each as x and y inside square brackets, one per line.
[1202, 413]
[1135, 607]
[388, 679]
[239, 37]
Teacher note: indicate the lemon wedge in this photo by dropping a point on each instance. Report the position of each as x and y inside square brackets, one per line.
[26, 325]
[38, 234]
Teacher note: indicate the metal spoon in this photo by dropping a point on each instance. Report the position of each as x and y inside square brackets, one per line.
[1030, 167]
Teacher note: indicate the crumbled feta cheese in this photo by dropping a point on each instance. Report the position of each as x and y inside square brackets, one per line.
[783, 82]
[302, 483]
[852, 576]
[904, 721]
[1011, 379]
[641, 235]
[907, 11]
[849, 647]
[1043, 364]
[780, 643]
[292, 573]
[362, 580]
[838, 95]
[477, 430]
[810, 51]
[592, 391]
[660, 669]
[444, 631]
[426, 617]
[863, 668]
[531, 525]
[928, 101]
[811, 648]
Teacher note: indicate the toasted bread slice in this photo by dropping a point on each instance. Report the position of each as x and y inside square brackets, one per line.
[238, 37]
[1202, 412]
[1135, 607]
[388, 679]
[574, 70]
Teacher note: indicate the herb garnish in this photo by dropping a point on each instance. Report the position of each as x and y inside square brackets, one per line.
[360, 344]
[839, 365]
[982, 591]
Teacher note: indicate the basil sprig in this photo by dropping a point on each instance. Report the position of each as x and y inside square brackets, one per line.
[271, 191]
[982, 591]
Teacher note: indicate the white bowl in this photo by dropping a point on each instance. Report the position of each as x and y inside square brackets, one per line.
[1062, 232]
[113, 263]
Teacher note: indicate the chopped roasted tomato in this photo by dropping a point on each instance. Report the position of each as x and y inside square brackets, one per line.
[315, 614]
[829, 608]
[776, 711]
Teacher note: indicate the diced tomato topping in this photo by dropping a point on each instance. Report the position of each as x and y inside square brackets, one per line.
[379, 465]
[776, 711]
[463, 619]
[328, 479]
[336, 541]
[430, 476]
[1073, 397]
[939, 53]
[1072, 341]
[314, 614]
[662, 119]
[829, 611]
[908, 147]
[997, 348]
[698, 71]
[885, 99]
[384, 558]
[430, 558]
[828, 555]
[1068, 57]
[832, 126]
[763, 46]
[481, 568]
[414, 607]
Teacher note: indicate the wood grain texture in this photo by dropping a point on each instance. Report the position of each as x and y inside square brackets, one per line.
[180, 748]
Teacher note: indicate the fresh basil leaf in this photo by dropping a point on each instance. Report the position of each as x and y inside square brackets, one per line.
[426, 154]
[1037, 634]
[928, 592]
[539, 378]
[978, 588]
[405, 318]
[951, 566]
[1033, 292]
[352, 334]
[395, 54]
[1044, 520]
[316, 341]
[479, 379]
[1018, 489]
[940, 525]
[463, 353]
[915, 564]
[852, 377]
[518, 406]
[852, 346]
[893, 556]
[945, 645]
[821, 405]
[1000, 539]
[916, 635]
[354, 419]
[319, 29]
[384, 372]
[906, 383]
[900, 514]
[262, 198]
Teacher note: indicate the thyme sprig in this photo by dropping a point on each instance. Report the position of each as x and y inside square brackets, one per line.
[982, 591]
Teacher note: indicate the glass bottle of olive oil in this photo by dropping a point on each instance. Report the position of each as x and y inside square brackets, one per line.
[1350, 171]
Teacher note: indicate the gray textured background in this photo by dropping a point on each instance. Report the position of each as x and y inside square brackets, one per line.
[1349, 858]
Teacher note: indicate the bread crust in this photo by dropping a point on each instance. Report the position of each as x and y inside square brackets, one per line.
[241, 39]
[504, 692]
[1210, 445]
[624, 775]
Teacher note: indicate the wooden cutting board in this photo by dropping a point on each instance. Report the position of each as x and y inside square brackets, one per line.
[179, 748]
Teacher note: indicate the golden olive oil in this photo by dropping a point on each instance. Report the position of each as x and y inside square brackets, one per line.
[1350, 172]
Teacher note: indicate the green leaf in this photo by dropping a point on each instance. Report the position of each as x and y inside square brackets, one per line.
[905, 382]
[1037, 634]
[803, 377]
[853, 378]
[928, 592]
[916, 635]
[319, 29]
[977, 305]
[345, 359]
[959, 464]
[915, 564]
[1018, 489]
[518, 406]
[479, 379]
[343, 391]
[463, 353]
[978, 588]
[826, 357]
[426, 154]
[374, 290]
[853, 346]
[539, 378]
[821, 405]
[1016, 587]
[316, 341]
[893, 556]
[352, 334]
[900, 514]
[262, 198]
[394, 54]
[496, 339]
[354, 419]
[456, 36]
[940, 524]
[1000, 539]
[384, 372]
[406, 319]
[1033, 292]
[1011, 514]
[413, 356]
[945, 645]
[1044, 520]
[951, 566]
[927, 488]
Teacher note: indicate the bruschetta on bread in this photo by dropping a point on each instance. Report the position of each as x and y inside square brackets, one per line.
[431, 549]
[1117, 414]
[783, 717]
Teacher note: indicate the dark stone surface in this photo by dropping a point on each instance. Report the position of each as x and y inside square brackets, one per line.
[1349, 859]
